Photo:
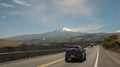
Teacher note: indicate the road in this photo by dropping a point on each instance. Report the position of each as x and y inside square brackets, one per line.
[96, 57]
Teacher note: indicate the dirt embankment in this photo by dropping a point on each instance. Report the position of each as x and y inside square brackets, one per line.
[8, 43]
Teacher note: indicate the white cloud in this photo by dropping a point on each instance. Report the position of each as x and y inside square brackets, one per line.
[118, 31]
[87, 28]
[6, 5]
[2, 17]
[38, 10]
[73, 7]
[21, 2]
[16, 13]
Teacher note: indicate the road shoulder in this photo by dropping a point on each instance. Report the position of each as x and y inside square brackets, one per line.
[113, 55]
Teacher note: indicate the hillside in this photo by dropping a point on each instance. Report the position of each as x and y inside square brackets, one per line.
[112, 42]
[6, 43]
[91, 37]
[60, 36]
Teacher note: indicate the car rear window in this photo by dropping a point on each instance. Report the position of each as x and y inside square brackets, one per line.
[72, 51]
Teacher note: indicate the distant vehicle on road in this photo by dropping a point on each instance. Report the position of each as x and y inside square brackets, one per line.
[90, 46]
[75, 52]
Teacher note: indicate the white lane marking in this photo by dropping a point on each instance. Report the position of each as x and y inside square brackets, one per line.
[96, 62]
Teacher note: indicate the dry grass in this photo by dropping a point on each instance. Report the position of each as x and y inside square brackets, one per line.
[8, 43]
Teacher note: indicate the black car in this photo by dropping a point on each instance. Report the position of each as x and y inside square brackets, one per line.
[75, 52]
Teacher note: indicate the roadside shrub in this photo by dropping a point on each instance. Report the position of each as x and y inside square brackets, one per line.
[112, 43]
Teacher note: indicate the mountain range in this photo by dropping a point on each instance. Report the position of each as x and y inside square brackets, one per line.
[59, 35]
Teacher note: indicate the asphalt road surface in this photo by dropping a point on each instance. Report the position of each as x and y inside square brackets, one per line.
[96, 57]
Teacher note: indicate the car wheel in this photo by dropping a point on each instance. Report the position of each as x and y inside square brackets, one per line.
[84, 58]
[66, 60]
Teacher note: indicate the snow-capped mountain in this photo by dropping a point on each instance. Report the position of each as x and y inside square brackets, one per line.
[61, 33]
[65, 30]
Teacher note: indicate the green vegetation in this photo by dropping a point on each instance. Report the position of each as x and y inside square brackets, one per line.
[112, 42]
[32, 47]
[50, 43]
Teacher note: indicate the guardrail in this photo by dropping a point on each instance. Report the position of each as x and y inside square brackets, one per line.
[26, 54]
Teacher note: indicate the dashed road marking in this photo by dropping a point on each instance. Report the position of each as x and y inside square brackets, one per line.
[50, 63]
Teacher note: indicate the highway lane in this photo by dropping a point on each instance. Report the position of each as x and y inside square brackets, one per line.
[89, 62]
[57, 60]
[105, 60]
[32, 62]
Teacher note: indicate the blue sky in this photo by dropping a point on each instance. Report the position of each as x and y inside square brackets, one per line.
[19, 17]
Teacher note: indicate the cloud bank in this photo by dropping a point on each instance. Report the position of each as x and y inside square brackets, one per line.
[21, 2]
[16, 12]
[73, 7]
[118, 31]
[6, 5]
[86, 28]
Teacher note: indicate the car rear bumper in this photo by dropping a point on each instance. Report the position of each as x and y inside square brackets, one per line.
[73, 57]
